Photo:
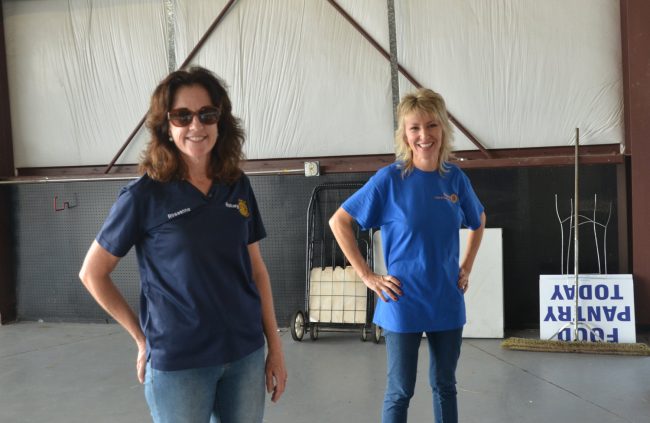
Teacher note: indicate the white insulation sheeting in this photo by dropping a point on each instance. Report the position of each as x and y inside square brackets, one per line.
[516, 73]
[519, 73]
[80, 76]
[304, 81]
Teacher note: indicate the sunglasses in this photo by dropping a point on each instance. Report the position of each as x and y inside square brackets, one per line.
[208, 115]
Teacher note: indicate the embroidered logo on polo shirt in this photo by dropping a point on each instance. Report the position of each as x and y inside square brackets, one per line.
[178, 213]
[241, 206]
[449, 197]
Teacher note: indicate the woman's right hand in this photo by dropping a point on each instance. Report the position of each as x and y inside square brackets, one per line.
[141, 362]
[383, 285]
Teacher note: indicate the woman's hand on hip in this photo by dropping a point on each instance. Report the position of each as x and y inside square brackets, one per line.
[384, 286]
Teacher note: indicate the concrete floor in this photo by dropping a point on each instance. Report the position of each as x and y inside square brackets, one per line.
[63, 372]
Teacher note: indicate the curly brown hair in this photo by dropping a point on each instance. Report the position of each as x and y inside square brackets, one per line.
[162, 160]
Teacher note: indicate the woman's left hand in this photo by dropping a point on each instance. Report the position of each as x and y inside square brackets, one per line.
[463, 279]
[276, 374]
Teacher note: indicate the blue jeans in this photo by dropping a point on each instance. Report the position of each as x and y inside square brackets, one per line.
[402, 364]
[229, 393]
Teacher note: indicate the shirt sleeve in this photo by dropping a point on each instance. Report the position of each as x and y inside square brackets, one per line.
[366, 205]
[256, 230]
[469, 202]
[121, 228]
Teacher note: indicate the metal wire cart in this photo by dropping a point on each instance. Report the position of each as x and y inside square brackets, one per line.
[336, 299]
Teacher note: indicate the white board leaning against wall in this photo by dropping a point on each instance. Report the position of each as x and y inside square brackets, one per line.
[484, 299]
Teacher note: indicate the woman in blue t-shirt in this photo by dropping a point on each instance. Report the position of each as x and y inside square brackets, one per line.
[205, 302]
[420, 202]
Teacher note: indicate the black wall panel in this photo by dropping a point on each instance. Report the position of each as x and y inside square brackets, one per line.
[522, 202]
[51, 244]
[55, 225]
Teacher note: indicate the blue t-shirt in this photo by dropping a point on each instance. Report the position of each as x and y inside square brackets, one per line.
[420, 216]
[199, 305]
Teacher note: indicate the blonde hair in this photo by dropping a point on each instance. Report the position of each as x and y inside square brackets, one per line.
[428, 102]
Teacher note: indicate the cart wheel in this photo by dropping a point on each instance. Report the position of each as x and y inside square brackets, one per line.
[313, 332]
[364, 334]
[298, 326]
[376, 333]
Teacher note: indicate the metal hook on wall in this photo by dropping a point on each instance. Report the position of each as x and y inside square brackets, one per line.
[65, 205]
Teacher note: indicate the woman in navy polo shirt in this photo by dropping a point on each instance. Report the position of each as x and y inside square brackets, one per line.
[420, 202]
[205, 303]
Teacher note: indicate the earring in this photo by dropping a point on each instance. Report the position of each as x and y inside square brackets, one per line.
[171, 139]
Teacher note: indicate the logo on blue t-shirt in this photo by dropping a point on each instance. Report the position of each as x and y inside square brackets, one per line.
[449, 197]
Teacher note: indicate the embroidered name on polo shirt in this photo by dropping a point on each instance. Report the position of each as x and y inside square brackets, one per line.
[449, 197]
[241, 206]
[178, 213]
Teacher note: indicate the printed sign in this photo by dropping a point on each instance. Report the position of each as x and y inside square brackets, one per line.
[605, 309]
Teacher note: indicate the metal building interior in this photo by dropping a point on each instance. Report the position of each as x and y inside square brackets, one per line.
[317, 81]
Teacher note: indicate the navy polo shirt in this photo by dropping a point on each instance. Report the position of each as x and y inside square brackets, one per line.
[199, 305]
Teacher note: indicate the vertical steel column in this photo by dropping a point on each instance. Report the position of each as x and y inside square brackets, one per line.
[576, 230]
[394, 71]
[624, 216]
[635, 37]
[7, 271]
[170, 23]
